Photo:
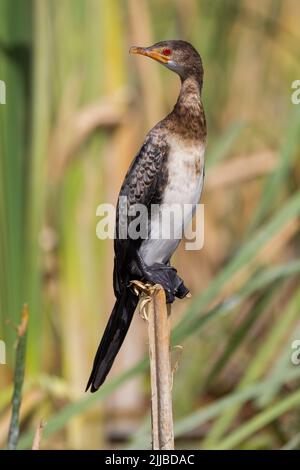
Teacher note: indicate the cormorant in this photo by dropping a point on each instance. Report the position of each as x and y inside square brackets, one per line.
[168, 170]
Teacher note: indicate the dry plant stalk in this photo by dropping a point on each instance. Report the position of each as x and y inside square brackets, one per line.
[154, 309]
[160, 370]
[38, 436]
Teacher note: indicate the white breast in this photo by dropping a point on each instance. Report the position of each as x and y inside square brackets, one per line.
[182, 193]
[184, 182]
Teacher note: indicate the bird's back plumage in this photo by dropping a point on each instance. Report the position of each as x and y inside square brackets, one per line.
[139, 187]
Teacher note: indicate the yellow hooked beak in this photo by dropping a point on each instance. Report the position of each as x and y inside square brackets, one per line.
[153, 53]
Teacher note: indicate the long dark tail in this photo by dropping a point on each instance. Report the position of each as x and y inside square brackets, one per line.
[113, 337]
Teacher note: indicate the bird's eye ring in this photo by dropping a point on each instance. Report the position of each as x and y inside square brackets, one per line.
[166, 51]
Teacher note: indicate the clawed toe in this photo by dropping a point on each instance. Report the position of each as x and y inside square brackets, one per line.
[182, 291]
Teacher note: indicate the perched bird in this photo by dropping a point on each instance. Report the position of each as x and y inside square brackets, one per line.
[168, 170]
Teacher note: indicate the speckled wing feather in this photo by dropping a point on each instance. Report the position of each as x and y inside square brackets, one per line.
[143, 184]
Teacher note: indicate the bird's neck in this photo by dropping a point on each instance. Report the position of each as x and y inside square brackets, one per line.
[189, 97]
[188, 109]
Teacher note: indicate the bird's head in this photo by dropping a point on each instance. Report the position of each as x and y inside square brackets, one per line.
[176, 55]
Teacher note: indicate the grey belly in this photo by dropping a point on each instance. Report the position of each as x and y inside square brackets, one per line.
[164, 237]
[157, 251]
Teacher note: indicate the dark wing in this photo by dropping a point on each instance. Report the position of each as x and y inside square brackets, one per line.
[142, 185]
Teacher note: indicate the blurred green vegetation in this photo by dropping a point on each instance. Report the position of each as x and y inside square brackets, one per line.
[77, 109]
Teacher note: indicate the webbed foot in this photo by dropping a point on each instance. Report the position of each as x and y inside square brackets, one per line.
[167, 277]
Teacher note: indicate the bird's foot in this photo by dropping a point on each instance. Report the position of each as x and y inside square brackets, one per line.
[167, 277]
[143, 291]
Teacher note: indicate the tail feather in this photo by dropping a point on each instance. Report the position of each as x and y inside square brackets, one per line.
[113, 337]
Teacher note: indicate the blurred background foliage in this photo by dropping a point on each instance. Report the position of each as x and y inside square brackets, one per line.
[77, 109]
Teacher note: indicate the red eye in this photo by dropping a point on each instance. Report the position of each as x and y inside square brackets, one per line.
[167, 51]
